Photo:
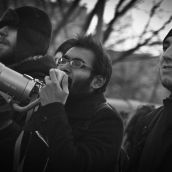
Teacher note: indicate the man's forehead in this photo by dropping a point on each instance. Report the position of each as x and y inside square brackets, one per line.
[84, 54]
[168, 39]
[79, 52]
[169, 34]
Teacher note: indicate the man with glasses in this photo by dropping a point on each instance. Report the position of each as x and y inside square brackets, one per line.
[82, 132]
[75, 63]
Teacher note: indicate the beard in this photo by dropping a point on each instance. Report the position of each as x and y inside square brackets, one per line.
[80, 88]
[167, 84]
[7, 55]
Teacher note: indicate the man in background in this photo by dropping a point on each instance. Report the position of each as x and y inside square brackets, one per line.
[151, 148]
[25, 35]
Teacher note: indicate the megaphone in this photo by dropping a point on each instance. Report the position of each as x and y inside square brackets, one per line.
[16, 87]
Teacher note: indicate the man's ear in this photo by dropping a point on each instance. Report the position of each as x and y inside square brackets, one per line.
[98, 82]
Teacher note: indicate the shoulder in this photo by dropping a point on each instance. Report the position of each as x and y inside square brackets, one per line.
[138, 127]
[108, 115]
[108, 124]
[106, 110]
[150, 117]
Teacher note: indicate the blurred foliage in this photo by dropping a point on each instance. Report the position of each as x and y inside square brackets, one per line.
[137, 80]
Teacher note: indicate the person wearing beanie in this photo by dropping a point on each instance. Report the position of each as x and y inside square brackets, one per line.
[33, 32]
[25, 35]
[151, 148]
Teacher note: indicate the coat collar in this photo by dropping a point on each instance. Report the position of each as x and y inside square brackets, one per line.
[85, 107]
[168, 101]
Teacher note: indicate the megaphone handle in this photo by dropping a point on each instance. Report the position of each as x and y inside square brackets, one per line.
[27, 107]
[6, 97]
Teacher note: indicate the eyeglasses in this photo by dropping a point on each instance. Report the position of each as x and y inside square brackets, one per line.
[74, 63]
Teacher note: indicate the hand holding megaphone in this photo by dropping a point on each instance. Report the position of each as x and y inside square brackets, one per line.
[56, 88]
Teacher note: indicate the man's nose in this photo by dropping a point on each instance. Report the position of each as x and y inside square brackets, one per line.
[65, 67]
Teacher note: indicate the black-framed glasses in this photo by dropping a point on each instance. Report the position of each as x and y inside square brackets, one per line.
[74, 63]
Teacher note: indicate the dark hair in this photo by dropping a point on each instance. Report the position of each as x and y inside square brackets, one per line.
[102, 63]
[65, 46]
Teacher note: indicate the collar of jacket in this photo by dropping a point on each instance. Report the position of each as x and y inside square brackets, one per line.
[168, 101]
[84, 108]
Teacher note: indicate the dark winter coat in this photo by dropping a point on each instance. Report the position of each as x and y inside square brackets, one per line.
[7, 142]
[37, 68]
[84, 136]
[152, 147]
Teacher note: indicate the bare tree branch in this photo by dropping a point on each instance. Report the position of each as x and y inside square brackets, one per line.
[147, 42]
[90, 17]
[152, 13]
[118, 13]
[100, 13]
[66, 16]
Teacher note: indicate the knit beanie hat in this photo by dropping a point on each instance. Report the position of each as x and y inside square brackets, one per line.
[33, 31]
[168, 34]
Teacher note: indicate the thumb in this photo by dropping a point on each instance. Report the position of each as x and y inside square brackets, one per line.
[65, 84]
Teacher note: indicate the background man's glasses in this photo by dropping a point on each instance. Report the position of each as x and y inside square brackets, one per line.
[74, 63]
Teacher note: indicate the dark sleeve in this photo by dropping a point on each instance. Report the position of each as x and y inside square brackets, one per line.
[96, 150]
[165, 164]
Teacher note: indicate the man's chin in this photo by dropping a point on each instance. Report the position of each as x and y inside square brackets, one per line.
[167, 84]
